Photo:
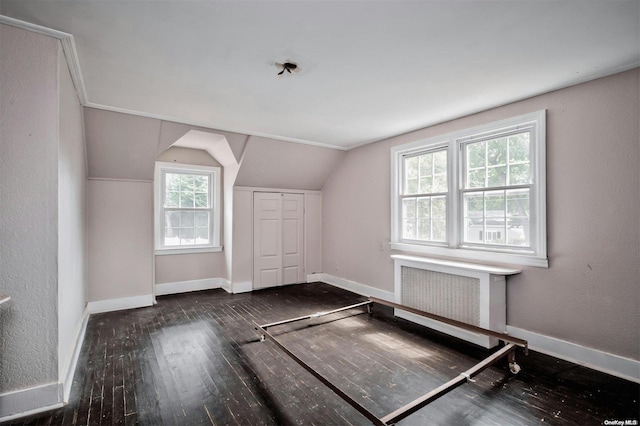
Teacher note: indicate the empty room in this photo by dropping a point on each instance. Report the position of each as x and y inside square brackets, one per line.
[319, 212]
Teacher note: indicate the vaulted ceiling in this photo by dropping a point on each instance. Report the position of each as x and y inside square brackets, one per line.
[367, 70]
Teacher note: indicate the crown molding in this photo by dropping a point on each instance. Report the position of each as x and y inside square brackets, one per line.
[68, 47]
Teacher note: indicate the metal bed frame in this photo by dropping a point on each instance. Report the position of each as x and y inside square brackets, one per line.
[508, 350]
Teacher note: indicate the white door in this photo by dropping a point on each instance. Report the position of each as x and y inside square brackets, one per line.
[278, 239]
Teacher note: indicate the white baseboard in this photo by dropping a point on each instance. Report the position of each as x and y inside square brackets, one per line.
[625, 368]
[187, 286]
[111, 305]
[226, 285]
[352, 286]
[26, 402]
[71, 367]
[242, 287]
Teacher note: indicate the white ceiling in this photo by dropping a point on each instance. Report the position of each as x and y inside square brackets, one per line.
[367, 69]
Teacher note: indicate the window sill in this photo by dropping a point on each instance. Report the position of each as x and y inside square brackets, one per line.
[188, 250]
[454, 265]
[475, 255]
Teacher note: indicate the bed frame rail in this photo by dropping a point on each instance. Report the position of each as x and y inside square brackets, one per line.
[511, 344]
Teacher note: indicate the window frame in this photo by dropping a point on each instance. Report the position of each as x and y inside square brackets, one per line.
[454, 142]
[161, 169]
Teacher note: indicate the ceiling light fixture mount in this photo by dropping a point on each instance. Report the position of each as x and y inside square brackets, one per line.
[288, 67]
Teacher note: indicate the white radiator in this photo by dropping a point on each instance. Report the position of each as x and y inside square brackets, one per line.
[469, 293]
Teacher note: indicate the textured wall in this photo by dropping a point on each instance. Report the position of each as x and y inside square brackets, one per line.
[120, 252]
[590, 295]
[28, 208]
[72, 206]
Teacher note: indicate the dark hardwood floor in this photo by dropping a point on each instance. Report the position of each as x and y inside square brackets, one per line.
[196, 359]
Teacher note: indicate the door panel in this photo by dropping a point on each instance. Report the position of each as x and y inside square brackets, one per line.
[269, 230]
[290, 236]
[290, 274]
[270, 277]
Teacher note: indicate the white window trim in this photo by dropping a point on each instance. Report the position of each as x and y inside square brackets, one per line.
[215, 190]
[453, 247]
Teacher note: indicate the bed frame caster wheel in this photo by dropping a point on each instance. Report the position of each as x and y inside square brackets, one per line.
[514, 367]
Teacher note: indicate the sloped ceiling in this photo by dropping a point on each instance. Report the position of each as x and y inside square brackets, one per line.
[367, 69]
[124, 146]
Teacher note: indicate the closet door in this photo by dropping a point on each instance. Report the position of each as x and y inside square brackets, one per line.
[278, 239]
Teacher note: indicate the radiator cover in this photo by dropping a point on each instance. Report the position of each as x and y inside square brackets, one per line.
[474, 294]
[451, 296]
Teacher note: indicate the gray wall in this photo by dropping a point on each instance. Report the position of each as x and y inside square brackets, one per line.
[28, 208]
[590, 295]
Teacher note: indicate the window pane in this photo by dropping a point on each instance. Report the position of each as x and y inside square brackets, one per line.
[411, 186]
[186, 200]
[172, 182]
[518, 213]
[439, 230]
[440, 162]
[411, 175]
[172, 219]
[494, 217]
[187, 236]
[411, 167]
[409, 218]
[426, 184]
[476, 155]
[475, 166]
[202, 235]
[474, 217]
[201, 183]
[186, 183]
[409, 208]
[186, 219]
[172, 199]
[202, 218]
[424, 208]
[202, 200]
[426, 164]
[424, 219]
[497, 152]
[439, 207]
[171, 236]
[519, 173]
[424, 230]
[440, 183]
[497, 176]
[476, 178]
[519, 148]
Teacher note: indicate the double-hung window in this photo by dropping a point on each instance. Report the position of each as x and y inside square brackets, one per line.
[187, 202]
[477, 194]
